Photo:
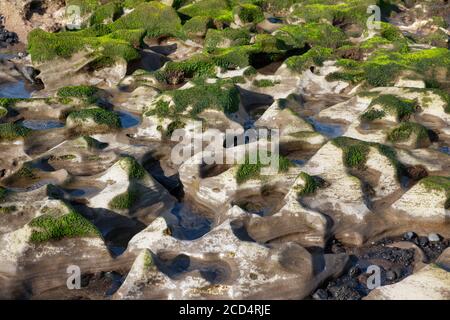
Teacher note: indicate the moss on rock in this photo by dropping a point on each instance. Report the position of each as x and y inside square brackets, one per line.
[133, 168]
[106, 13]
[12, 131]
[405, 130]
[59, 223]
[44, 46]
[226, 38]
[311, 34]
[335, 12]
[401, 108]
[249, 171]
[124, 201]
[197, 26]
[219, 10]
[310, 185]
[314, 57]
[383, 67]
[355, 153]
[248, 13]
[220, 96]
[156, 18]
[99, 116]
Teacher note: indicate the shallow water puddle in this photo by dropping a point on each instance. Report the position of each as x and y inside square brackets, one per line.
[128, 120]
[327, 129]
[445, 149]
[190, 226]
[42, 124]
[275, 20]
[14, 90]
[83, 191]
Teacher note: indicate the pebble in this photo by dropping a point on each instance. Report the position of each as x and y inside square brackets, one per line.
[391, 275]
[423, 241]
[409, 236]
[434, 237]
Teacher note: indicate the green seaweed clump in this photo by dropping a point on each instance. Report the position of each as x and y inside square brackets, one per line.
[248, 13]
[438, 183]
[106, 13]
[310, 185]
[219, 10]
[44, 46]
[314, 57]
[248, 171]
[98, 115]
[156, 18]
[124, 201]
[390, 104]
[134, 169]
[197, 26]
[57, 226]
[335, 12]
[265, 83]
[404, 131]
[220, 96]
[311, 34]
[175, 72]
[12, 131]
[355, 153]
[82, 92]
[226, 38]
[383, 67]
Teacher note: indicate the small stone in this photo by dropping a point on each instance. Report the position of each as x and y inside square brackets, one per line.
[434, 237]
[423, 241]
[391, 275]
[354, 271]
[409, 236]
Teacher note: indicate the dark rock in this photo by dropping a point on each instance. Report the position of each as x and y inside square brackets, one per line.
[423, 241]
[391, 275]
[354, 271]
[408, 236]
[417, 172]
[320, 294]
[7, 37]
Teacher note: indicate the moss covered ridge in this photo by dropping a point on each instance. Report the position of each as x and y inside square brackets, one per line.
[12, 131]
[136, 173]
[192, 101]
[440, 184]
[355, 153]
[382, 68]
[117, 39]
[251, 171]
[59, 222]
[405, 130]
[98, 116]
[309, 185]
[134, 170]
[386, 104]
